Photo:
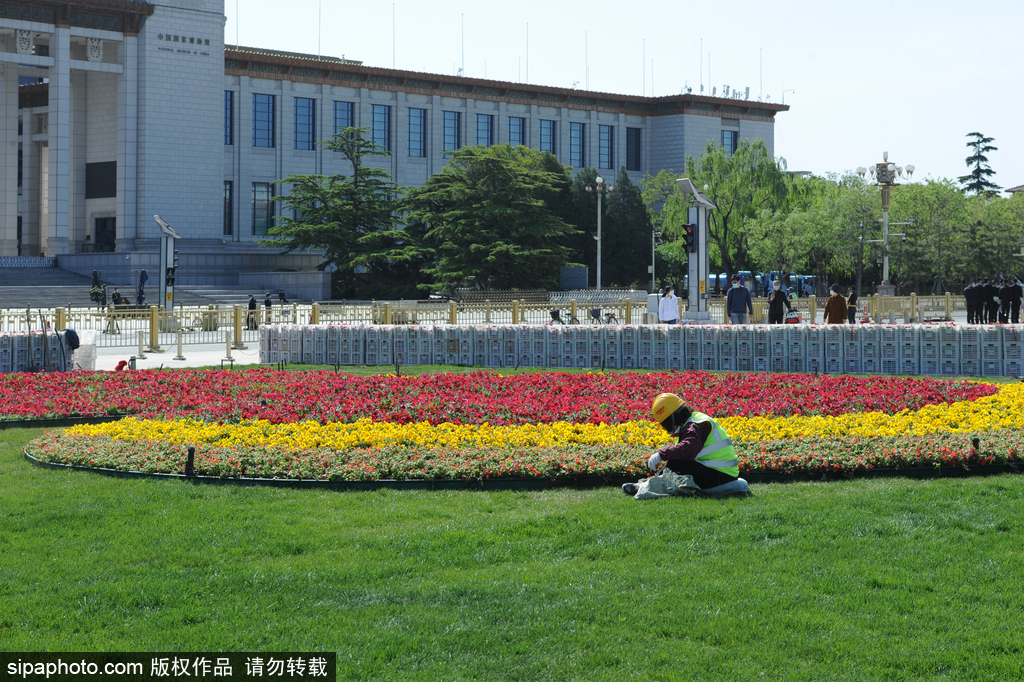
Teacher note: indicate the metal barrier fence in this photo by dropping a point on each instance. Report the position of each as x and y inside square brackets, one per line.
[117, 326]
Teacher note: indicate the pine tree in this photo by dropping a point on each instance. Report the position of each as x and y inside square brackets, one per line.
[340, 214]
[977, 181]
[489, 220]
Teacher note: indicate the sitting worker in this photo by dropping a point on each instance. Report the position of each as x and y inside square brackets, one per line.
[704, 454]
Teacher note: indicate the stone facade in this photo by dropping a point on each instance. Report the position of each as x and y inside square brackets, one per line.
[132, 122]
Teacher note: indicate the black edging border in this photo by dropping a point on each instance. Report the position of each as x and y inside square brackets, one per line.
[580, 482]
[61, 421]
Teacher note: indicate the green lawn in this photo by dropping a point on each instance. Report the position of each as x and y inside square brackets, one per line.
[866, 580]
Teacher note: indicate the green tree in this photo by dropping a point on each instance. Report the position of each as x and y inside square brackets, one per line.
[488, 217]
[740, 185]
[939, 243]
[977, 181]
[337, 213]
[583, 216]
[777, 240]
[626, 232]
[656, 189]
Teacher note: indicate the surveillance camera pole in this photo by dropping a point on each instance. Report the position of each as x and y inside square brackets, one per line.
[167, 262]
[697, 263]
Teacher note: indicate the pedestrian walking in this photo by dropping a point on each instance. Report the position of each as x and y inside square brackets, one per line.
[1005, 295]
[668, 307]
[738, 303]
[851, 305]
[991, 300]
[250, 320]
[777, 300]
[835, 307]
[969, 301]
[1016, 296]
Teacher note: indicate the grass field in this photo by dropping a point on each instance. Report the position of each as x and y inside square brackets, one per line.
[867, 580]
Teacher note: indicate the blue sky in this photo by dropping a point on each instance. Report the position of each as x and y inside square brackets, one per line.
[908, 77]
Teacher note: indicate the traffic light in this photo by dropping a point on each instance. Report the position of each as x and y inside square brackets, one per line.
[690, 237]
[169, 278]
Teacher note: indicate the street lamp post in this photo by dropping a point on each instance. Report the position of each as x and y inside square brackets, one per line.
[600, 188]
[885, 175]
[655, 240]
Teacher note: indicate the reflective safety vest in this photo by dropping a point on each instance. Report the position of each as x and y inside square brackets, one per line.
[718, 452]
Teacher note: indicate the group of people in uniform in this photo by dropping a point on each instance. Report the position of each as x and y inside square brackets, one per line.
[995, 300]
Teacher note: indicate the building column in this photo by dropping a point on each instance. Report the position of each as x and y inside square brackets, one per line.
[59, 142]
[501, 123]
[31, 188]
[127, 146]
[400, 139]
[8, 160]
[77, 227]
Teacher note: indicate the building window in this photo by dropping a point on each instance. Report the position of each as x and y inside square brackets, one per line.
[484, 129]
[450, 133]
[577, 145]
[380, 122]
[21, 165]
[547, 136]
[229, 117]
[263, 120]
[418, 132]
[606, 147]
[343, 116]
[101, 180]
[516, 131]
[730, 138]
[305, 123]
[262, 208]
[633, 149]
[229, 214]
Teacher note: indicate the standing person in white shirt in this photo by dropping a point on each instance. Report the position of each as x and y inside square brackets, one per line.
[668, 308]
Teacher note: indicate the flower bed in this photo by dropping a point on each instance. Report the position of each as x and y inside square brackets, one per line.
[614, 398]
[844, 456]
[935, 434]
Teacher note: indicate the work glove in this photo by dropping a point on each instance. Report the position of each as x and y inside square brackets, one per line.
[654, 461]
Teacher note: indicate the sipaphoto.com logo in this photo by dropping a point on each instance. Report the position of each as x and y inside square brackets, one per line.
[221, 666]
[25, 669]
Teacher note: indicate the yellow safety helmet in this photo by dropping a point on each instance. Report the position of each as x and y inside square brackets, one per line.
[665, 405]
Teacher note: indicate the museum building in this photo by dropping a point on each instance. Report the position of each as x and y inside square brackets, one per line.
[116, 111]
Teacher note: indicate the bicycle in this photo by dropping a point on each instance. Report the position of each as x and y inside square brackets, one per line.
[556, 318]
[609, 317]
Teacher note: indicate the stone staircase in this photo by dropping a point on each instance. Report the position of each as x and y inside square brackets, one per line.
[52, 288]
[228, 295]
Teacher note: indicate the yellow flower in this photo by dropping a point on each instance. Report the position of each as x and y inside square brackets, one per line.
[1002, 410]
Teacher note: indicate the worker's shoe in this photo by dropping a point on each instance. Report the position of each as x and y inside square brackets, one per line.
[630, 489]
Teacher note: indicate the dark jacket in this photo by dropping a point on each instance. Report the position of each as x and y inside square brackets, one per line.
[852, 301]
[252, 304]
[739, 301]
[776, 300]
[991, 292]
